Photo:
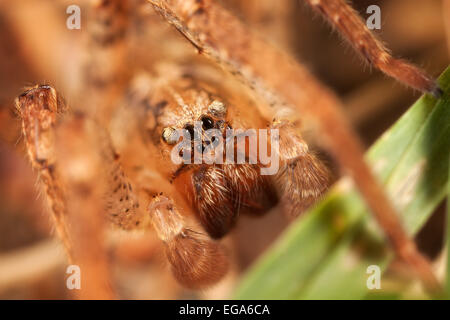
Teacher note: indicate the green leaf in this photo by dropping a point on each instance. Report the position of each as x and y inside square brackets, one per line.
[447, 279]
[325, 254]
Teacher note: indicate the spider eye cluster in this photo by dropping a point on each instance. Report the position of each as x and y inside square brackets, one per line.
[216, 109]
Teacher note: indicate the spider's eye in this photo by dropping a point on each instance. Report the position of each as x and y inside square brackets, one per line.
[207, 123]
[170, 135]
[217, 108]
[190, 129]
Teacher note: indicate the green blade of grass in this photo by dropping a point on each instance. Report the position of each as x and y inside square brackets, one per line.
[447, 242]
[326, 253]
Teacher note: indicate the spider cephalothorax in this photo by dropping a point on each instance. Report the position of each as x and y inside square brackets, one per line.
[218, 191]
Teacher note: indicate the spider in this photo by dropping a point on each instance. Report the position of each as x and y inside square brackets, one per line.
[216, 193]
[83, 157]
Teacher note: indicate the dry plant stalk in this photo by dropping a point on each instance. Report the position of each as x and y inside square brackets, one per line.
[208, 27]
[83, 173]
[273, 18]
